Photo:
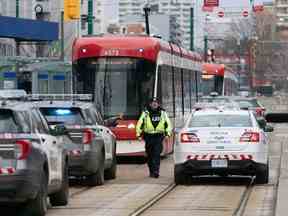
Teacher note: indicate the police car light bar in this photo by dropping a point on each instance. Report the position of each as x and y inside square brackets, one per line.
[60, 97]
[13, 94]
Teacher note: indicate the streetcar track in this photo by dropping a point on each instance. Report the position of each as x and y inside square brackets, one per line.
[154, 200]
[80, 191]
[239, 211]
[276, 185]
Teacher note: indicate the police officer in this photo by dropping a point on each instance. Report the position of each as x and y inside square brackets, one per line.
[155, 125]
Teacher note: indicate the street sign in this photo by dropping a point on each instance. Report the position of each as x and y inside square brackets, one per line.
[245, 13]
[221, 14]
[211, 3]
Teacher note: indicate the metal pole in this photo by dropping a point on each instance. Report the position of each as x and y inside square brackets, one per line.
[62, 36]
[146, 11]
[192, 28]
[90, 17]
[17, 8]
[17, 42]
[205, 48]
[239, 65]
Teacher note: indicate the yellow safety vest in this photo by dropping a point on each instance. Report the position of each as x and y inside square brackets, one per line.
[145, 125]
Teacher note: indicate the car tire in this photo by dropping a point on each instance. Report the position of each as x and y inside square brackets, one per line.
[62, 196]
[39, 205]
[97, 178]
[110, 173]
[180, 178]
[262, 174]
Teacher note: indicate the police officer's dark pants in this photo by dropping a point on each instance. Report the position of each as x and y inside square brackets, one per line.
[153, 147]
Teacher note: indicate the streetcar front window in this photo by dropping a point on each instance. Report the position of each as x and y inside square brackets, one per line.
[211, 83]
[119, 85]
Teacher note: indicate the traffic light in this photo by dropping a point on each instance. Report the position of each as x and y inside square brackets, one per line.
[71, 10]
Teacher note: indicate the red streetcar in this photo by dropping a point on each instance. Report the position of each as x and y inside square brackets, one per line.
[218, 78]
[122, 72]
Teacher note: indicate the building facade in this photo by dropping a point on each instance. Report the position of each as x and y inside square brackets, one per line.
[50, 10]
[179, 9]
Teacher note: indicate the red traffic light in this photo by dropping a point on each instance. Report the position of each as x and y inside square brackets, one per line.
[258, 8]
[220, 14]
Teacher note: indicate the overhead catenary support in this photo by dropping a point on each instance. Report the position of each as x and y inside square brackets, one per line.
[205, 48]
[90, 17]
[192, 28]
[146, 13]
[62, 36]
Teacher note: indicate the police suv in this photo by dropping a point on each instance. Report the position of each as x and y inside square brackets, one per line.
[222, 142]
[92, 146]
[33, 161]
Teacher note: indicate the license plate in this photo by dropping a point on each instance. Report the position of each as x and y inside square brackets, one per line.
[219, 163]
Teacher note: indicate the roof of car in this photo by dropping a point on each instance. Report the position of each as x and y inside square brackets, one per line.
[15, 105]
[65, 104]
[221, 112]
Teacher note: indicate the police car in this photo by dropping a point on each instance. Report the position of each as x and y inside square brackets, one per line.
[33, 161]
[92, 149]
[221, 142]
[250, 103]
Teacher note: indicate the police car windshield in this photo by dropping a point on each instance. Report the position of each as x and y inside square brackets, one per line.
[247, 103]
[213, 120]
[67, 116]
[8, 123]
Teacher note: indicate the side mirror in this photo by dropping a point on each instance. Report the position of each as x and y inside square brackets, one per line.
[268, 128]
[58, 130]
[262, 122]
[177, 130]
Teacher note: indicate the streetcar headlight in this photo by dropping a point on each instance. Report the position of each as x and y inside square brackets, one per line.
[131, 126]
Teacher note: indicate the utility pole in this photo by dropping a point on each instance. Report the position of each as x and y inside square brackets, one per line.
[191, 28]
[90, 17]
[239, 63]
[17, 42]
[205, 48]
[146, 12]
[62, 36]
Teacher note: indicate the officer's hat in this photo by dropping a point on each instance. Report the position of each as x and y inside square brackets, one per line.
[154, 99]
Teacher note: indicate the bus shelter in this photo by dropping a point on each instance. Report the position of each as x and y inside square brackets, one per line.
[36, 75]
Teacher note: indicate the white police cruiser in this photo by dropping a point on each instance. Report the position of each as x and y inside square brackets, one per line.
[221, 142]
[33, 161]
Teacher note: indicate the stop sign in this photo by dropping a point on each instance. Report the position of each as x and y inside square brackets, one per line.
[221, 14]
[245, 13]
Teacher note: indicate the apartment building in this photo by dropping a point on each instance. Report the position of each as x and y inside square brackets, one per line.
[175, 8]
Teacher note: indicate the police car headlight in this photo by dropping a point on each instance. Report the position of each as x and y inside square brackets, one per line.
[131, 126]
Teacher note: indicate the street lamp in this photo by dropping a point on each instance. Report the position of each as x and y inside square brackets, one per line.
[147, 10]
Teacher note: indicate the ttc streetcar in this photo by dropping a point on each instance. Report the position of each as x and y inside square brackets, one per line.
[220, 79]
[123, 72]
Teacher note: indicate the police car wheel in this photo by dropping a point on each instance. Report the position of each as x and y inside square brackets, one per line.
[62, 196]
[262, 174]
[111, 172]
[38, 205]
[98, 177]
[180, 178]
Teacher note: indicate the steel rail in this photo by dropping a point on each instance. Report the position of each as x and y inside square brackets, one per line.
[154, 200]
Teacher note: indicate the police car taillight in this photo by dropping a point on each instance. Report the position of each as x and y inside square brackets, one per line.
[250, 137]
[260, 111]
[189, 138]
[22, 149]
[88, 136]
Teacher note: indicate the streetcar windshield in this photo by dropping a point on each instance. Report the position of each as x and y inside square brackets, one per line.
[212, 83]
[119, 85]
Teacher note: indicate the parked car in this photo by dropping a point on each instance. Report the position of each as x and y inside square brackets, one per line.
[92, 151]
[33, 160]
[251, 104]
[222, 142]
